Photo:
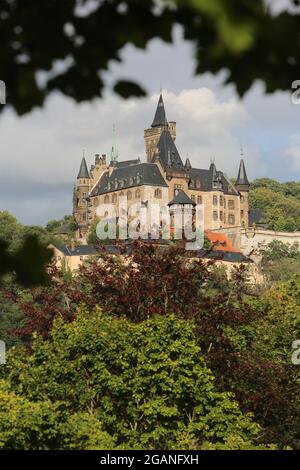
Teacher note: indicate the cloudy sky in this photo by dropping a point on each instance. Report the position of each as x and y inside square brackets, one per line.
[40, 153]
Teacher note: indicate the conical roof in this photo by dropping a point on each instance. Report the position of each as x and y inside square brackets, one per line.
[242, 178]
[83, 170]
[160, 118]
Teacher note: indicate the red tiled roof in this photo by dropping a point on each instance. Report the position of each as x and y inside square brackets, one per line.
[220, 241]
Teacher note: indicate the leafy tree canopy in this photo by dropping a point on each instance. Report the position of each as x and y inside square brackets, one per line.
[146, 385]
[244, 38]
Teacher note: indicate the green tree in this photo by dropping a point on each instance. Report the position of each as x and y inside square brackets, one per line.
[225, 35]
[146, 383]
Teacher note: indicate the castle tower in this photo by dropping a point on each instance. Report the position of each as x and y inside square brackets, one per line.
[242, 185]
[80, 199]
[153, 133]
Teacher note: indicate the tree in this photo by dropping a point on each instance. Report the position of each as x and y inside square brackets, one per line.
[35, 35]
[43, 425]
[23, 251]
[147, 384]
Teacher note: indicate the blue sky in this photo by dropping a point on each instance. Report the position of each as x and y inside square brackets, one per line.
[41, 152]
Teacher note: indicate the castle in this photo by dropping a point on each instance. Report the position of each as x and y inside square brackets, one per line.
[163, 178]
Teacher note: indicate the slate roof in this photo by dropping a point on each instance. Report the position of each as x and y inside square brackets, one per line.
[207, 179]
[168, 153]
[180, 199]
[83, 170]
[256, 216]
[242, 178]
[80, 250]
[125, 177]
[160, 118]
[127, 163]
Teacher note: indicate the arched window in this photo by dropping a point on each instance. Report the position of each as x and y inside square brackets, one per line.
[138, 194]
[106, 199]
[157, 193]
[215, 200]
[129, 195]
[114, 198]
[199, 199]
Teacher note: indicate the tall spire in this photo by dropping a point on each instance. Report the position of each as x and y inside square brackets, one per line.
[242, 178]
[114, 149]
[160, 118]
[83, 170]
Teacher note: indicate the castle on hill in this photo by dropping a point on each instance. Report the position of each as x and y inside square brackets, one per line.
[164, 178]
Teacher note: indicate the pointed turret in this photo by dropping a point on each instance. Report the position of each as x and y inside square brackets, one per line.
[242, 179]
[187, 164]
[213, 171]
[160, 118]
[83, 170]
[114, 149]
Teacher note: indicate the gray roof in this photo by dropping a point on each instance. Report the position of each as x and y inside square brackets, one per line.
[211, 179]
[160, 118]
[256, 216]
[127, 163]
[83, 170]
[80, 250]
[181, 198]
[242, 178]
[168, 153]
[125, 177]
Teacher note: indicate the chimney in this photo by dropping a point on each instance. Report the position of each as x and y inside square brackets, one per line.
[73, 245]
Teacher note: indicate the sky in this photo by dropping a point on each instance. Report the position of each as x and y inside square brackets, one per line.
[40, 153]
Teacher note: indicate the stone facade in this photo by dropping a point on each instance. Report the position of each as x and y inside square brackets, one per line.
[159, 179]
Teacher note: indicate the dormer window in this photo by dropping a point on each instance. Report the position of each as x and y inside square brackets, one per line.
[198, 183]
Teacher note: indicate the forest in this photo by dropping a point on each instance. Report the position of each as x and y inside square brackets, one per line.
[155, 353]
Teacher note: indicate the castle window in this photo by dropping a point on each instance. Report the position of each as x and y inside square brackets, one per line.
[198, 183]
[138, 194]
[221, 215]
[199, 199]
[177, 188]
[114, 198]
[131, 181]
[157, 193]
[221, 200]
[215, 200]
[231, 204]
[215, 215]
[109, 186]
[224, 203]
[106, 199]
[192, 184]
[129, 195]
[193, 198]
[138, 179]
[231, 219]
